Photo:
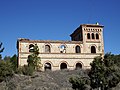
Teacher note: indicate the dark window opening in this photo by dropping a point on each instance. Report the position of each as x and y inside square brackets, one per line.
[31, 48]
[97, 36]
[88, 36]
[47, 49]
[93, 37]
[78, 66]
[47, 66]
[61, 51]
[63, 66]
[93, 49]
[77, 49]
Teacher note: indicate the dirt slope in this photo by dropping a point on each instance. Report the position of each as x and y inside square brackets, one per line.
[49, 80]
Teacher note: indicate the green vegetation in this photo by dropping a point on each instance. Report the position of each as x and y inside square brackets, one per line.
[9, 65]
[33, 59]
[104, 73]
[80, 83]
[14, 62]
[5, 70]
[27, 70]
[34, 62]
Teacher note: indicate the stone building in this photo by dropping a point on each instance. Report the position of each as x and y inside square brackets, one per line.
[86, 43]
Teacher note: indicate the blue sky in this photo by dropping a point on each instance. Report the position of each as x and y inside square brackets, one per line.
[56, 20]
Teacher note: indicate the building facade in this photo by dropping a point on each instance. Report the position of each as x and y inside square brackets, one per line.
[86, 43]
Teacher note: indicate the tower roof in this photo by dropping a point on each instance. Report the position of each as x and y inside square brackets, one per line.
[86, 25]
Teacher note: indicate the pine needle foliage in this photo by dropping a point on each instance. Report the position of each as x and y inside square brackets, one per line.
[33, 59]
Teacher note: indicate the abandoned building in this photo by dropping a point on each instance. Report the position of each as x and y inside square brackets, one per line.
[86, 43]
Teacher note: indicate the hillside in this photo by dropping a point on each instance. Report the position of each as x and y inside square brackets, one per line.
[49, 80]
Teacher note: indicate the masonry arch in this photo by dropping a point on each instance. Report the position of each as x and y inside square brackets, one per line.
[77, 49]
[47, 66]
[93, 36]
[63, 65]
[31, 47]
[78, 65]
[62, 48]
[93, 49]
[88, 35]
[97, 36]
[47, 48]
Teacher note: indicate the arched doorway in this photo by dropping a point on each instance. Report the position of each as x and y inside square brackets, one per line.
[78, 66]
[63, 66]
[47, 66]
[77, 49]
[93, 49]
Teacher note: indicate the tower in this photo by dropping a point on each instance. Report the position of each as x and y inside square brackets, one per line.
[91, 36]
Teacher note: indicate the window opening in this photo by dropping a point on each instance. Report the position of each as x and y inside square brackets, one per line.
[97, 36]
[47, 66]
[77, 49]
[78, 66]
[88, 36]
[62, 49]
[47, 49]
[63, 66]
[93, 37]
[93, 49]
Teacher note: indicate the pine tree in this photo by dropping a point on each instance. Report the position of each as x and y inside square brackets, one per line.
[104, 74]
[33, 59]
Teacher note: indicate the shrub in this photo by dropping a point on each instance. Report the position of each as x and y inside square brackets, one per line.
[18, 70]
[27, 70]
[79, 83]
[5, 70]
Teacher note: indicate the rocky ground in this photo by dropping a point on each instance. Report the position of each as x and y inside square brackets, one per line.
[48, 80]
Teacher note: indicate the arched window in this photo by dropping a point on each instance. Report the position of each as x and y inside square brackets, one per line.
[63, 66]
[88, 35]
[47, 66]
[93, 49]
[97, 36]
[77, 49]
[47, 49]
[93, 37]
[31, 48]
[62, 49]
[78, 66]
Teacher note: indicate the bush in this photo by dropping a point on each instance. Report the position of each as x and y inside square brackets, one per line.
[5, 70]
[18, 70]
[79, 83]
[27, 70]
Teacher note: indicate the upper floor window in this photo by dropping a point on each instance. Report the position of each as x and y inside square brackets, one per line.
[97, 36]
[93, 49]
[31, 48]
[88, 36]
[62, 49]
[77, 49]
[93, 37]
[47, 49]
